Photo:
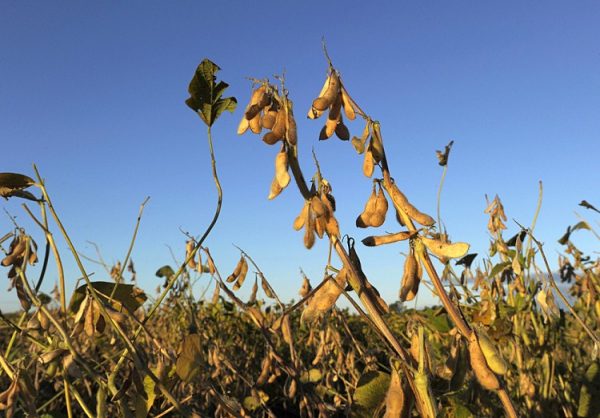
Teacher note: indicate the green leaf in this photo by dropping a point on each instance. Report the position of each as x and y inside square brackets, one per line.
[440, 323]
[125, 294]
[499, 268]
[189, 360]
[205, 93]
[370, 393]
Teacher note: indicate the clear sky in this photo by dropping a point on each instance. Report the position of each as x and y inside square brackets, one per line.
[93, 93]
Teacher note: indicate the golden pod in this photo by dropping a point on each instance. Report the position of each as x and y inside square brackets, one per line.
[347, 103]
[314, 113]
[332, 227]
[444, 249]
[265, 370]
[286, 330]
[375, 240]
[237, 270]
[243, 126]
[215, 296]
[401, 203]
[324, 298]
[368, 163]
[189, 247]
[268, 119]
[266, 288]
[380, 210]
[364, 218]
[409, 278]
[484, 374]
[305, 288]
[301, 219]
[255, 125]
[492, 356]
[309, 230]
[262, 100]
[331, 92]
[318, 207]
[242, 275]
[281, 169]
[320, 226]
[397, 403]
[275, 189]
[278, 130]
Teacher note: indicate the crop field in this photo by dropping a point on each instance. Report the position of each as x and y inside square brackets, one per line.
[508, 335]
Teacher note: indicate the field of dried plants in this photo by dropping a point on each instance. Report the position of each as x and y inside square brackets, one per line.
[496, 343]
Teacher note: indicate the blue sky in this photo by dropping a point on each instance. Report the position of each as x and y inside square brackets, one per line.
[93, 93]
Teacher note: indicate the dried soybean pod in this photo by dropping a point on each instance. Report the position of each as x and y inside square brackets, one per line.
[347, 103]
[374, 241]
[215, 297]
[377, 143]
[256, 108]
[268, 119]
[281, 169]
[286, 330]
[402, 203]
[318, 207]
[242, 276]
[364, 219]
[330, 94]
[265, 370]
[275, 189]
[445, 249]
[325, 297]
[484, 375]
[266, 288]
[332, 227]
[309, 231]
[320, 224]
[312, 112]
[189, 247]
[243, 126]
[300, 220]
[306, 287]
[253, 292]
[257, 97]
[255, 124]
[380, 210]
[368, 163]
[236, 271]
[409, 277]
[397, 403]
[278, 130]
